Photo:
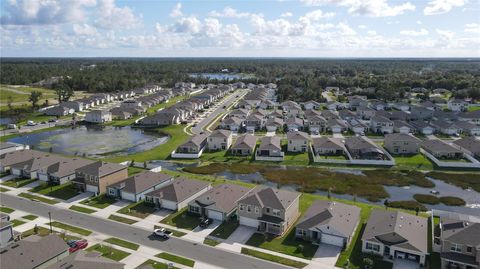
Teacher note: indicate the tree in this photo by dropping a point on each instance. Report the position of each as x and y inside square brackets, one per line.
[63, 91]
[386, 203]
[329, 194]
[368, 263]
[145, 164]
[34, 98]
[417, 209]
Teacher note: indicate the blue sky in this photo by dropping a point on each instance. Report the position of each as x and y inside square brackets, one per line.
[241, 28]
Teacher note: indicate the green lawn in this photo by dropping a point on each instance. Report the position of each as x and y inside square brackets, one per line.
[176, 259]
[3, 189]
[182, 219]
[122, 243]
[273, 258]
[82, 209]
[140, 209]
[418, 162]
[109, 252]
[156, 265]
[7, 210]
[122, 219]
[100, 201]
[17, 222]
[135, 170]
[64, 192]
[18, 182]
[225, 229]
[210, 242]
[18, 97]
[433, 261]
[473, 108]
[30, 217]
[70, 228]
[38, 198]
[42, 231]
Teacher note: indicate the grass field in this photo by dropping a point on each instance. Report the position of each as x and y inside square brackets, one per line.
[109, 252]
[13, 92]
[70, 228]
[6, 210]
[139, 210]
[210, 242]
[418, 162]
[17, 222]
[157, 265]
[64, 192]
[82, 209]
[100, 201]
[18, 182]
[225, 229]
[182, 219]
[273, 258]
[122, 243]
[3, 189]
[176, 259]
[30, 217]
[38, 198]
[122, 219]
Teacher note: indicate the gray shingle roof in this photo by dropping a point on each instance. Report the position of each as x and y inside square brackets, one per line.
[246, 141]
[269, 197]
[270, 142]
[436, 145]
[297, 135]
[222, 198]
[141, 182]
[101, 168]
[179, 190]
[86, 260]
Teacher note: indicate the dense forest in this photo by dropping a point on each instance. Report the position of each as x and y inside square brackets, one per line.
[299, 79]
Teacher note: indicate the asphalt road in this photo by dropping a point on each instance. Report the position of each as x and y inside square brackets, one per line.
[199, 252]
[207, 120]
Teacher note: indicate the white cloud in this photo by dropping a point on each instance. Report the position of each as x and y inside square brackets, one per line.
[317, 15]
[190, 25]
[371, 32]
[110, 16]
[84, 30]
[445, 34]
[419, 22]
[472, 28]
[229, 12]
[362, 26]
[286, 14]
[176, 11]
[33, 12]
[436, 7]
[421, 32]
[372, 8]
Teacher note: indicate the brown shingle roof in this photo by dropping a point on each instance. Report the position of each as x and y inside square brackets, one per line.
[179, 190]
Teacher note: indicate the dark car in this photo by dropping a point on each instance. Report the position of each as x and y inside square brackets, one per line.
[204, 222]
[52, 120]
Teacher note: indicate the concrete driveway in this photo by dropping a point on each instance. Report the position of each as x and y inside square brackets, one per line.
[405, 264]
[326, 256]
[198, 234]
[241, 235]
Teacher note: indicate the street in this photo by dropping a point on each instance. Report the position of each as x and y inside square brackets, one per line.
[196, 251]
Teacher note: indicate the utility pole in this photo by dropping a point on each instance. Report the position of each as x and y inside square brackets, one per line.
[50, 217]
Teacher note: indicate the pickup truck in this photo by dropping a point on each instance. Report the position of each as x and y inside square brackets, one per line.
[162, 233]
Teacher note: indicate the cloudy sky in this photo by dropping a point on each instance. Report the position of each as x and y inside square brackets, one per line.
[240, 28]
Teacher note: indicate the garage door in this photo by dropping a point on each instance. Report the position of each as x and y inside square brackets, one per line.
[332, 240]
[92, 188]
[215, 215]
[169, 205]
[248, 222]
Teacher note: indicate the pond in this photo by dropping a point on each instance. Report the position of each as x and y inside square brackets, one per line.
[93, 140]
[220, 76]
[5, 121]
[471, 197]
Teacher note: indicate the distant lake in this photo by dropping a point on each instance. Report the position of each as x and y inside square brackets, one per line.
[4, 121]
[93, 140]
[220, 76]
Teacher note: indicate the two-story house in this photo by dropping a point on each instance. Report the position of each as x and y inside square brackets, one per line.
[95, 177]
[269, 210]
[219, 140]
[297, 141]
[399, 143]
[98, 116]
[379, 124]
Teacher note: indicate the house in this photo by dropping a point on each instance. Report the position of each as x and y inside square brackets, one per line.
[441, 150]
[219, 140]
[311, 105]
[177, 195]
[268, 104]
[446, 128]
[239, 113]
[34, 252]
[297, 141]
[420, 113]
[423, 127]
[396, 235]
[357, 101]
[62, 171]
[460, 244]
[399, 115]
[471, 116]
[316, 124]
[195, 145]
[58, 111]
[254, 122]
[457, 105]
[82, 259]
[232, 123]
[294, 124]
[10, 158]
[269, 210]
[6, 231]
[357, 126]
[379, 124]
[378, 105]
[218, 203]
[402, 106]
[347, 115]
[366, 113]
[328, 146]
[95, 177]
[120, 114]
[328, 222]
[244, 145]
[270, 148]
[98, 116]
[31, 167]
[274, 124]
[76, 105]
[336, 126]
[399, 143]
[361, 147]
[135, 187]
[6, 147]
[468, 128]
[400, 126]
[470, 145]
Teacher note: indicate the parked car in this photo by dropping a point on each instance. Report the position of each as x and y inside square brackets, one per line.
[162, 233]
[31, 123]
[43, 122]
[204, 222]
[12, 126]
[75, 245]
[52, 120]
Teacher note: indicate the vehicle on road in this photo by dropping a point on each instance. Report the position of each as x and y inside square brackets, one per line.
[75, 245]
[205, 222]
[31, 123]
[12, 126]
[162, 232]
[52, 120]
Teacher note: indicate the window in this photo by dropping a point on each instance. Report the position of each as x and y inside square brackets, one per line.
[257, 210]
[194, 209]
[276, 212]
[456, 248]
[267, 209]
[469, 249]
[249, 208]
[373, 247]
[112, 192]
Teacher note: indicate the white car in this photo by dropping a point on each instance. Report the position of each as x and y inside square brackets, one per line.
[162, 233]
[31, 123]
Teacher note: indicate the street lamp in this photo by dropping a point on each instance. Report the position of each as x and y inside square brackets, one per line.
[50, 217]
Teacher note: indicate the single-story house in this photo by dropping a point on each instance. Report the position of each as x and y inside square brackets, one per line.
[135, 187]
[244, 145]
[328, 146]
[441, 150]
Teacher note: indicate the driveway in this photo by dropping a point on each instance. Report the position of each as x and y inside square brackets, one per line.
[326, 256]
[198, 234]
[241, 235]
[405, 264]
